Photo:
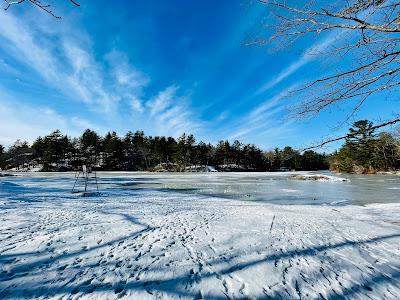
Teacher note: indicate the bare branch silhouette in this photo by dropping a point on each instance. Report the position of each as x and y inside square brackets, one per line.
[363, 46]
[336, 139]
[368, 34]
[43, 6]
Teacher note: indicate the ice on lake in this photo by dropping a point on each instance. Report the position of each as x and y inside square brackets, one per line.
[266, 187]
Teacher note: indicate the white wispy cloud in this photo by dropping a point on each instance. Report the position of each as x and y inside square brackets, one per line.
[7, 68]
[18, 39]
[124, 73]
[307, 56]
[63, 60]
[86, 78]
[172, 113]
[222, 116]
[67, 63]
[267, 115]
[137, 105]
[266, 120]
[162, 101]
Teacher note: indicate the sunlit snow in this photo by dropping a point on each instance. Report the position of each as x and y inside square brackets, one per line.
[193, 236]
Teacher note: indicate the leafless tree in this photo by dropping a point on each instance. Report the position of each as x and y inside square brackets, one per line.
[43, 6]
[367, 38]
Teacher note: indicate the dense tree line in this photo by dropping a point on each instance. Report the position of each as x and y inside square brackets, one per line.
[136, 151]
[365, 151]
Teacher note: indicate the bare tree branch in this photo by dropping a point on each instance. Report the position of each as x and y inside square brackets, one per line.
[326, 13]
[392, 122]
[363, 50]
[370, 64]
[43, 6]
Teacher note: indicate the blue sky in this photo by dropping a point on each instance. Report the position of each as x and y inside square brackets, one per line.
[164, 67]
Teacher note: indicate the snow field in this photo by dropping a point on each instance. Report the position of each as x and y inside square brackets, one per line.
[168, 245]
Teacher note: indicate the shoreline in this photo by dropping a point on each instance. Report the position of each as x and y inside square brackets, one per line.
[5, 173]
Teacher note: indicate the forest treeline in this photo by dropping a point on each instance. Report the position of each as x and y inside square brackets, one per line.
[364, 151]
[136, 151]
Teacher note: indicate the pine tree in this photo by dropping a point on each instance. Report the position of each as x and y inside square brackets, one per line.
[2, 157]
[90, 147]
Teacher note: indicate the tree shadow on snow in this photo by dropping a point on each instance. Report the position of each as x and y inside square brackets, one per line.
[176, 286]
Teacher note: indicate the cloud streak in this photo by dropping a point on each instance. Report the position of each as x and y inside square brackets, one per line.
[310, 54]
[264, 116]
[69, 65]
[106, 85]
[171, 112]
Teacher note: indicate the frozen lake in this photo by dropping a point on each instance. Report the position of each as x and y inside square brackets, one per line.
[199, 236]
[267, 187]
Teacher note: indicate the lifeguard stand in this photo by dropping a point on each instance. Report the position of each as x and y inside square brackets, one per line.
[84, 180]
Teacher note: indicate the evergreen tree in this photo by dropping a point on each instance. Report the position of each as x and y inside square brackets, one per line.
[222, 152]
[290, 158]
[204, 154]
[237, 152]
[361, 141]
[113, 152]
[311, 160]
[141, 151]
[180, 156]
[135, 151]
[2, 157]
[190, 149]
[51, 150]
[90, 147]
[364, 151]
[19, 155]
[170, 149]
[129, 151]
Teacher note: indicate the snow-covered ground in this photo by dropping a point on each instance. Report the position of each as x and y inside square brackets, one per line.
[166, 243]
